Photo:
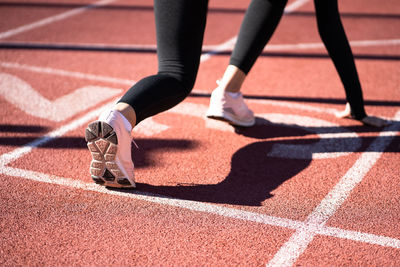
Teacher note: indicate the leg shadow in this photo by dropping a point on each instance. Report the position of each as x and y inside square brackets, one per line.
[252, 177]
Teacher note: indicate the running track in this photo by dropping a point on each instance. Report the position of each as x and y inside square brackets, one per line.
[300, 188]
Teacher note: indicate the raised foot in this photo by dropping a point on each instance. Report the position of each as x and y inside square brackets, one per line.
[102, 142]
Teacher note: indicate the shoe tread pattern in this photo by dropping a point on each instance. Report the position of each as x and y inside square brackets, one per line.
[102, 142]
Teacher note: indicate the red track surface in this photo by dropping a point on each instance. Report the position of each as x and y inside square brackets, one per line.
[279, 193]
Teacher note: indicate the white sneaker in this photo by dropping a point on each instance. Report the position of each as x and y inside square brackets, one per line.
[231, 109]
[109, 142]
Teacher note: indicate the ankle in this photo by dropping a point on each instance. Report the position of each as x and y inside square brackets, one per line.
[127, 112]
[233, 94]
[232, 79]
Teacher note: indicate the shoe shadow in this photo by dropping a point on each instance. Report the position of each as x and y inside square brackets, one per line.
[264, 129]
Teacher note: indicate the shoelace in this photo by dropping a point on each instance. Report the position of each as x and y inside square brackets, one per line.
[133, 141]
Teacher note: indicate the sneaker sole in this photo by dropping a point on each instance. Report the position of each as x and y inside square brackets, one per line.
[230, 119]
[102, 142]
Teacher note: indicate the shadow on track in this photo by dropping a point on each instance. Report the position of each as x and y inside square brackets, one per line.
[253, 174]
[22, 128]
[252, 177]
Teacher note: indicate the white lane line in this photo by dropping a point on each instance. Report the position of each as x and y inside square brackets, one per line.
[52, 19]
[218, 49]
[294, 6]
[303, 227]
[65, 73]
[386, 42]
[80, 75]
[299, 241]
[359, 237]
[17, 91]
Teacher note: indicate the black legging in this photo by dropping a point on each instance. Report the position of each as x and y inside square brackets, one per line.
[180, 28]
[260, 22]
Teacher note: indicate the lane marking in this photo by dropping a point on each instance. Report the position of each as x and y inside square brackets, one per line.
[333, 140]
[150, 127]
[66, 73]
[16, 91]
[52, 19]
[294, 6]
[100, 78]
[303, 227]
[218, 49]
[299, 241]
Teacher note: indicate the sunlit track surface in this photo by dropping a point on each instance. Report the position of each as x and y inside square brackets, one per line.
[300, 188]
